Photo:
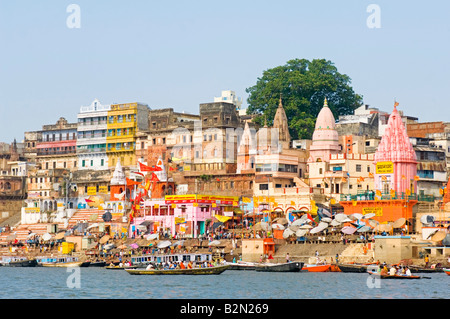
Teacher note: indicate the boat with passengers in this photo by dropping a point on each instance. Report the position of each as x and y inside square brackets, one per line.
[145, 260]
[17, 261]
[60, 261]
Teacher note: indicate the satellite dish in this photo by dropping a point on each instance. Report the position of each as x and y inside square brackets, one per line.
[440, 235]
[399, 223]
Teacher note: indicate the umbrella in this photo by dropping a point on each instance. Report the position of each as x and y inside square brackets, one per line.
[46, 236]
[439, 235]
[369, 215]
[327, 220]
[60, 235]
[93, 226]
[146, 223]
[164, 244]
[340, 217]
[152, 236]
[214, 243]
[178, 243]
[134, 246]
[278, 226]
[373, 222]
[294, 227]
[122, 247]
[288, 232]
[363, 229]
[348, 230]
[385, 227]
[334, 222]
[306, 226]
[301, 232]
[109, 246]
[93, 217]
[399, 223]
[357, 216]
[319, 228]
[298, 222]
[31, 235]
[281, 220]
[265, 226]
[104, 239]
[326, 212]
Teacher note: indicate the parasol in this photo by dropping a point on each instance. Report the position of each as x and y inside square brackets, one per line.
[319, 228]
[265, 226]
[438, 236]
[399, 223]
[334, 222]
[301, 232]
[281, 220]
[385, 227]
[369, 215]
[109, 246]
[134, 246]
[306, 226]
[427, 219]
[164, 244]
[31, 235]
[178, 243]
[348, 230]
[326, 212]
[152, 237]
[364, 229]
[327, 220]
[298, 222]
[357, 216]
[104, 239]
[373, 222]
[93, 226]
[341, 217]
[214, 243]
[121, 247]
[60, 235]
[93, 217]
[294, 227]
[288, 232]
[278, 227]
[46, 236]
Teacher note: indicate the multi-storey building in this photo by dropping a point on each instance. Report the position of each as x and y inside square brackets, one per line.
[91, 139]
[123, 123]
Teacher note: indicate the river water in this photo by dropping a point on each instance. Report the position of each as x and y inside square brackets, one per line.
[100, 283]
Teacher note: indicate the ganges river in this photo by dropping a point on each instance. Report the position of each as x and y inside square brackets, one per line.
[100, 283]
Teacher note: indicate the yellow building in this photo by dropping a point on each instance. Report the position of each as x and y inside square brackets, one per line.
[124, 121]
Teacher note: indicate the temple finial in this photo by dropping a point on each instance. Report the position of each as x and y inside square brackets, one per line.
[325, 102]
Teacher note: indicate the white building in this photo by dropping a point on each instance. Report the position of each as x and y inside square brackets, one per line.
[229, 97]
[91, 141]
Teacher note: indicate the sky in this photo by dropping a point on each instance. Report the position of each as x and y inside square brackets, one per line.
[178, 54]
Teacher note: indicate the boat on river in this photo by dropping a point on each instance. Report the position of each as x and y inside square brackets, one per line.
[17, 261]
[394, 276]
[447, 271]
[242, 265]
[280, 267]
[355, 268]
[61, 262]
[216, 270]
[144, 260]
[321, 268]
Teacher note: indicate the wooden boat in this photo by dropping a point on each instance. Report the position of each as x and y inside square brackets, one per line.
[97, 264]
[282, 267]
[242, 266]
[63, 264]
[394, 276]
[144, 260]
[355, 268]
[117, 267]
[13, 261]
[416, 269]
[447, 271]
[188, 271]
[65, 261]
[321, 268]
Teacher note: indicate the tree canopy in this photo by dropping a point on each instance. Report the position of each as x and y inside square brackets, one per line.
[303, 86]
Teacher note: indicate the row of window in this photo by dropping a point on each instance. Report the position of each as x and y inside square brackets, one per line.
[47, 137]
[121, 132]
[121, 118]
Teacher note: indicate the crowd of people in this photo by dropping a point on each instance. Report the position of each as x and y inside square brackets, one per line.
[394, 270]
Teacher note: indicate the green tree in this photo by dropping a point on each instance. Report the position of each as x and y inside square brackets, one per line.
[303, 86]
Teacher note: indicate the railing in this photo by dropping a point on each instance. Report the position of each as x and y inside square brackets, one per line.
[370, 195]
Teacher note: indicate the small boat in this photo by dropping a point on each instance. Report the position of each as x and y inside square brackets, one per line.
[13, 261]
[394, 276]
[216, 270]
[66, 261]
[355, 268]
[97, 264]
[415, 269]
[63, 264]
[242, 266]
[447, 271]
[282, 267]
[321, 268]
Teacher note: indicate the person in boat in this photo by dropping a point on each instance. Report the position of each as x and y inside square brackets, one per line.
[408, 272]
[189, 266]
[149, 266]
[288, 259]
[392, 271]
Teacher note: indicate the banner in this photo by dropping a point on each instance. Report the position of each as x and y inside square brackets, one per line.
[385, 167]
[145, 168]
[378, 211]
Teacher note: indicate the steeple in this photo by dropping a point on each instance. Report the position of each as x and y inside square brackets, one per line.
[280, 122]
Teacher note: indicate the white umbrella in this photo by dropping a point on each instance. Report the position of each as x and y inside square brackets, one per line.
[287, 232]
[369, 215]
[46, 236]
[340, 217]
[298, 222]
[93, 226]
[31, 235]
[265, 226]
[306, 226]
[214, 243]
[326, 220]
[178, 243]
[363, 229]
[326, 212]
[348, 230]
[164, 244]
[278, 226]
[358, 216]
[334, 222]
[301, 232]
[294, 227]
[152, 236]
[373, 222]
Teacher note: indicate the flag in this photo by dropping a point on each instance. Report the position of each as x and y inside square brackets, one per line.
[392, 192]
[139, 173]
[378, 192]
[370, 174]
[416, 178]
[145, 168]
[384, 178]
[362, 179]
[154, 178]
[171, 169]
[408, 192]
[147, 185]
[396, 104]
[310, 217]
[131, 182]
[403, 177]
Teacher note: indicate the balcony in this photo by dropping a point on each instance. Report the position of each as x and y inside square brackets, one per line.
[370, 195]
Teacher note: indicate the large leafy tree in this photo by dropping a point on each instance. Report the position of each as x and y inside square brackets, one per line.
[303, 86]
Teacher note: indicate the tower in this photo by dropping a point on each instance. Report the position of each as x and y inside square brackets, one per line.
[118, 183]
[395, 159]
[280, 123]
[325, 139]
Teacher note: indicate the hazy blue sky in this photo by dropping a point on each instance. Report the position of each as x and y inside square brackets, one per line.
[182, 53]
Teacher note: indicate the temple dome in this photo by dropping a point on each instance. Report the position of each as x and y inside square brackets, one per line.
[119, 177]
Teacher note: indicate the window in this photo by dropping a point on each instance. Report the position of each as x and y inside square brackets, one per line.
[368, 169]
[358, 167]
[263, 187]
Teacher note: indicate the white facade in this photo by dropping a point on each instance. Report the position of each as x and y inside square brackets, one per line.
[229, 97]
[91, 141]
